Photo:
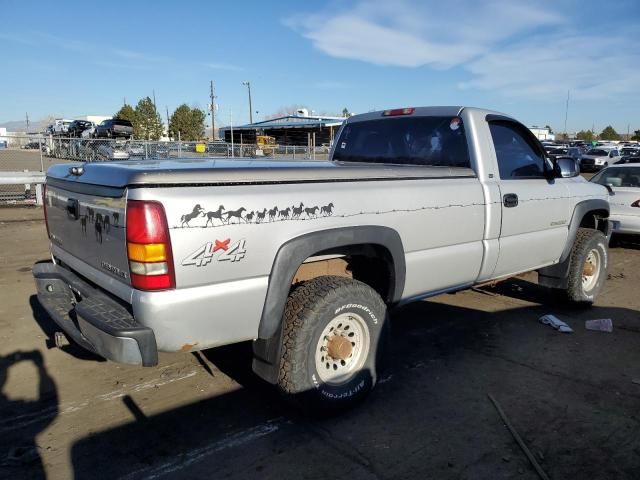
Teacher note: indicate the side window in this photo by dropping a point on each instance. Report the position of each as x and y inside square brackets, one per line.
[518, 155]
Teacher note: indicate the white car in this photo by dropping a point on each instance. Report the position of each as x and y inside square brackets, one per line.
[598, 158]
[624, 180]
[60, 126]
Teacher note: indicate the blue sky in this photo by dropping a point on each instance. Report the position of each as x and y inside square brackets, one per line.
[79, 58]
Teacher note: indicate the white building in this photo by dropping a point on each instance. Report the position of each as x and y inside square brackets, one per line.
[542, 133]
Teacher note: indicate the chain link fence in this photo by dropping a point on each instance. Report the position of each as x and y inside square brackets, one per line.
[26, 153]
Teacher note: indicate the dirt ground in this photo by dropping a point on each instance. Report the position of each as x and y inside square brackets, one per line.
[574, 398]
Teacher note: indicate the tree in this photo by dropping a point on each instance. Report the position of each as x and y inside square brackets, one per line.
[126, 113]
[345, 113]
[609, 134]
[586, 135]
[549, 128]
[148, 124]
[636, 135]
[188, 121]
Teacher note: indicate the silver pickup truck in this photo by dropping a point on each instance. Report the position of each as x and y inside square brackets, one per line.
[305, 259]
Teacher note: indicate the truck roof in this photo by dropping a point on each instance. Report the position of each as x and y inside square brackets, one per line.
[434, 111]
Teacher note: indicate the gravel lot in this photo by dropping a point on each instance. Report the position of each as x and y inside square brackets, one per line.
[574, 398]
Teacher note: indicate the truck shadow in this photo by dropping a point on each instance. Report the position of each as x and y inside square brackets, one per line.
[442, 362]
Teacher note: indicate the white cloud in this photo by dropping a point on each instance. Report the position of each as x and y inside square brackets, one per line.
[411, 34]
[513, 49]
[591, 66]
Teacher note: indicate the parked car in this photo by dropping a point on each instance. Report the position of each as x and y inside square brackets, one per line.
[624, 180]
[77, 127]
[598, 158]
[105, 152]
[136, 149]
[114, 128]
[305, 258]
[60, 127]
[33, 145]
[630, 151]
[629, 159]
[571, 152]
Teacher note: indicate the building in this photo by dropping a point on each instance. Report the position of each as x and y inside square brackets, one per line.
[288, 130]
[542, 133]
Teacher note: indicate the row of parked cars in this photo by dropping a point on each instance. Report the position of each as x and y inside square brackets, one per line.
[110, 128]
[595, 158]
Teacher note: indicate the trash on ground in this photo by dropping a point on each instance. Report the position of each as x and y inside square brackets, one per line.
[599, 325]
[556, 323]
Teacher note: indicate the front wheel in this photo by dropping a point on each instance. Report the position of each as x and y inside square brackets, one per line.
[588, 266]
[332, 330]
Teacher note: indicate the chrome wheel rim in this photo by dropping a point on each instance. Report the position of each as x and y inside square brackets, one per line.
[591, 270]
[342, 348]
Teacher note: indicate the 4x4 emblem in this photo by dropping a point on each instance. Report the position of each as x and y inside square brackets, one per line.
[221, 250]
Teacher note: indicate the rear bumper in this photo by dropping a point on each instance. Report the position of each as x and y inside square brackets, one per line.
[93, 319]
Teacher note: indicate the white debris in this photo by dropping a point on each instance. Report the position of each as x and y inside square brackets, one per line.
[599, 325]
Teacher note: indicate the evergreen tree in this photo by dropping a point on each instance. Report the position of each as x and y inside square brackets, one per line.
[148, 124]
[609, 134]
[188, 121]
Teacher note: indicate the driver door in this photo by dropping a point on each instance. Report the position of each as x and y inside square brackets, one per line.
[536, 211]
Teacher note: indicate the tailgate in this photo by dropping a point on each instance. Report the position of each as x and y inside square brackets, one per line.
[89, 223]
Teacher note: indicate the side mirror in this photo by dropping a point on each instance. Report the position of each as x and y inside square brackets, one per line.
[567, 167]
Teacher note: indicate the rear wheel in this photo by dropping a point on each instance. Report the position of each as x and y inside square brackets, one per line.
[331, 333]
[587, 266]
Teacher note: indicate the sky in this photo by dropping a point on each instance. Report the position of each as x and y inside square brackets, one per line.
[522, 58]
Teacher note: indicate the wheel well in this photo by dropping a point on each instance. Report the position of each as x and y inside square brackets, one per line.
[595, 219]
[369, 263]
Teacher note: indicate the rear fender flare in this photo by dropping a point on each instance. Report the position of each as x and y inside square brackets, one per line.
[294, 252]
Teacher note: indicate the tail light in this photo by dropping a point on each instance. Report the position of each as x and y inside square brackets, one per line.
[636, 203]
[149, 246]
[44, 208]
[398, 111]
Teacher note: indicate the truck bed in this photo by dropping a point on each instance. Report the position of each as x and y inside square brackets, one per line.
[241, 171]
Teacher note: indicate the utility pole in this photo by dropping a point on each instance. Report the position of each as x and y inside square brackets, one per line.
[27, 117]
[566, 115]
[213, 111]
[248, 85]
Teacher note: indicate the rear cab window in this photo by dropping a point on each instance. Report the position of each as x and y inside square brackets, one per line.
[421, 140]
[518, 153]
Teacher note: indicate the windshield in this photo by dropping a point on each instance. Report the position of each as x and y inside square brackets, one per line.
[619, 177]
[436, 141]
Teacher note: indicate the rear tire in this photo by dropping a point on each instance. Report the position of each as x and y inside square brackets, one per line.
[332, 330]
[588, 266]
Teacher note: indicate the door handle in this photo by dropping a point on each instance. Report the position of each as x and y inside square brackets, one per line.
[510, 200]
